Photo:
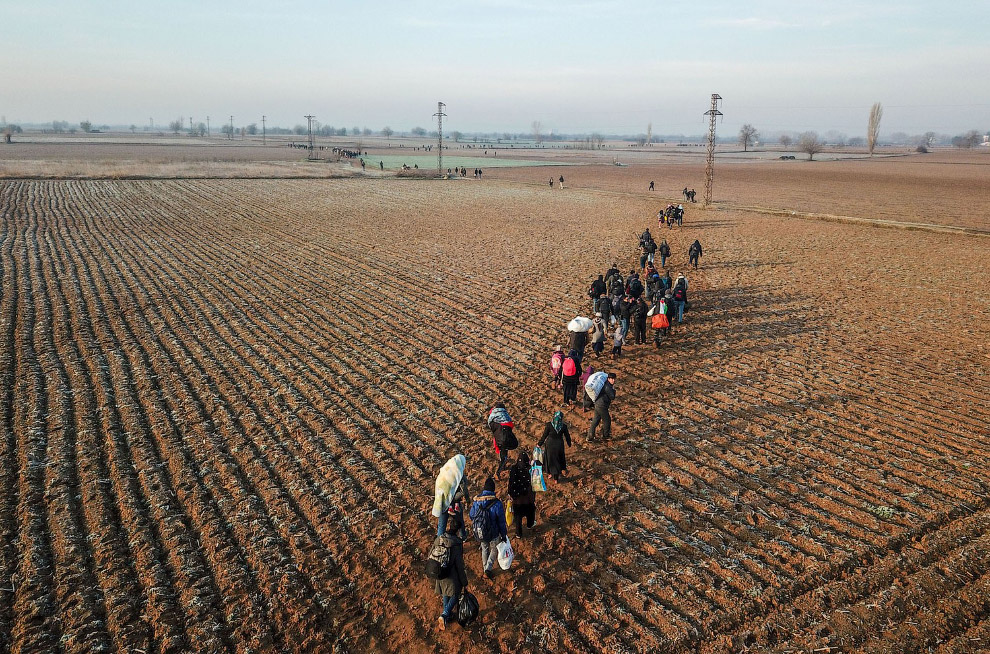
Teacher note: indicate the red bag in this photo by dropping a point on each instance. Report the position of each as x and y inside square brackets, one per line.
[570, 367]
[660, 321]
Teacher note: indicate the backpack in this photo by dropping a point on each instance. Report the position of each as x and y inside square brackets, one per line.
[483, 525]
[438, 562]
[679, 294]
[636, 286]
[570, 367]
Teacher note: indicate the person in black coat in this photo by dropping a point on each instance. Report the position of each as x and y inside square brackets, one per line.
[639, 321]
[521, 493]
[450, 589]
[578, 341]
[694, 252]
[602, 405]
[555, 435]
[570, 382]
[604, 307]
[625, 313]
[597, 288]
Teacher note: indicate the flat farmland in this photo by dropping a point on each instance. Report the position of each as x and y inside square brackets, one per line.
[224, 403]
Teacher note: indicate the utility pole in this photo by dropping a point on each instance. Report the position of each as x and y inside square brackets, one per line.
[207, 125]
[231, 134]
[710, 166]
[310, 119]
[264, 140]
[440, 114]
[190, 124]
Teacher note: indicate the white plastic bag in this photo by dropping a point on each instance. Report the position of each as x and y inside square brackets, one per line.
[505, 554]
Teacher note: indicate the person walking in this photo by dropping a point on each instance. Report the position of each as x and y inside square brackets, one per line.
[450, 588]
[503, 437]
[651, 186]
[521, 492]
[664, 253]
[551, 182]
[555, 438]
[694, 252]
[602, 404]
[598, 328]
[660, 322]
[570, 373]
[450, 491]
[578, 342]
[598, 287]
[639, 320]
[680, 296]
[618, 339]
[625, 312]
[604, 307]
[488, 519]
[381, 164]
[561, 180]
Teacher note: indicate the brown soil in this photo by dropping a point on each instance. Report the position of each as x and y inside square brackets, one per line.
[224, 404]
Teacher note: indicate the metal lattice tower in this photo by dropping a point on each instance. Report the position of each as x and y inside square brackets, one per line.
[440, 114]
[710, 167]
[312, 145]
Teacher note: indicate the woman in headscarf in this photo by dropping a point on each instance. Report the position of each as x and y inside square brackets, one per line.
[521, 492]
[555, 435]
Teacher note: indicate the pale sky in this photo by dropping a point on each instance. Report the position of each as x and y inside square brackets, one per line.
[610, 66]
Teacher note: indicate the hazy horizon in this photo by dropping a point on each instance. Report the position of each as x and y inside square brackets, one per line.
[499, 65]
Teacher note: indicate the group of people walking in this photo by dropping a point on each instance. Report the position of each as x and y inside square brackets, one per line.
[619, 303]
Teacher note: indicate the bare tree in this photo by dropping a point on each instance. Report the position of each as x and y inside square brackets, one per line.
[970, 139]
[418, 131]
[929, 140]
[538, 131]
[86, 126]
[387, 131]
[175, 126]
[785, 140]
[809, 144]
[747, 135]
[456, 136]
[873, 127]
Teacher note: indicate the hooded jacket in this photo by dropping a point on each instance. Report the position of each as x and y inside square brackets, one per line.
[488, 502]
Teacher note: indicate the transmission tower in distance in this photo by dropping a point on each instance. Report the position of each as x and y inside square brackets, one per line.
[311, 144]
[440, 114]
[264, 135]
[710, 166]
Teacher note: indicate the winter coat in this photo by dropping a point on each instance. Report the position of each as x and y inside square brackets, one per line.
[597, 288]
[605, 397]
[650, 247]
[521, 485]
[625, 309]
[640, 310]
[695, 249]
[488, 502]
[554, 461]
[578, 342]
[598, 335]
[664, 249]
[604, 307]
[457, 579]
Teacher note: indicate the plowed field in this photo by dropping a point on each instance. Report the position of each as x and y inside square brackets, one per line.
[223, 405]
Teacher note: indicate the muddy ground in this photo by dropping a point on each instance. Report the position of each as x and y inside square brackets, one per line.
[224, 403]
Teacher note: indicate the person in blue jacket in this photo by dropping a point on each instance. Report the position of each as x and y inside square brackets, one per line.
[490, 528]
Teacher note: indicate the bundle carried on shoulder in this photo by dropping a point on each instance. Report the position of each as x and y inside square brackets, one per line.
[586, 375]
[579, 324]
[499, 416]
[448, 480]
[594, 384]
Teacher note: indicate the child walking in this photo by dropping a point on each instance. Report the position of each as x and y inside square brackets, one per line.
[619, 340]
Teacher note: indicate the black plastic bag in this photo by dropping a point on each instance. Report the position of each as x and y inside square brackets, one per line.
[467, 609]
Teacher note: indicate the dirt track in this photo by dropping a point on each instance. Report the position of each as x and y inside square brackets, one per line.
[225, 402]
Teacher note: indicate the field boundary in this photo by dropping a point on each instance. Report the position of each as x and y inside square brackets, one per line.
[855, 220]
